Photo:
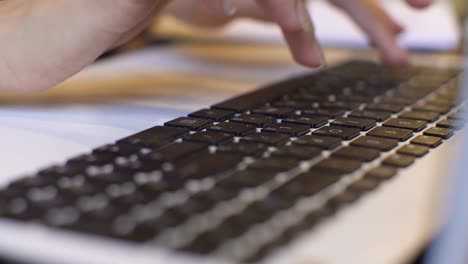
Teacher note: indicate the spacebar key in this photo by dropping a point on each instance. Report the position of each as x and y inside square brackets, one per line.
[205, 165]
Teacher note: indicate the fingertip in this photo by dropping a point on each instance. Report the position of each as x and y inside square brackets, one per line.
[397, 58]
[309, 54]
[308, 61]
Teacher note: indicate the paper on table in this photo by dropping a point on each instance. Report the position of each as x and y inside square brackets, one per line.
[435, 28]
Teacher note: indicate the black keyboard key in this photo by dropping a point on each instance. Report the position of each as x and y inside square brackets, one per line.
[292, 130]
[392, 108]
[319, 141]
[360, 123]
[356, 153]
[246, 179]
[124, 168]
[91, 159]
[399, 161]
[215, 115]
[293, 104]
[153, 184]
[311, 121]
[308, 184]
[248, 149]
[298, 152]
[256, 120]
[444, 133]
[382, 173]
[306, 96]
[264, 209]
[76, 185]
[338, 165]
[167, 220]
[427, 107]
[210, 137]
[278, 112]
[428, 141]
[417, 115]
[175, 151]
[413, 150]
[19, 209]
[61, 170]
[278, 164]
[208, 242]
[382, 144]
[397, 100]
[191, 207]
[345, 133]
[155, 137]
[271, 139]
[374, 115]
[363, 185]
[392, 133]
[18, 186]
[191, 123]
[205, 165]
[256, 98]
[217, 194]
[117, 150]
[236, 129]
[415, 125]
[340, 105]
[330, 113]
[451, 124]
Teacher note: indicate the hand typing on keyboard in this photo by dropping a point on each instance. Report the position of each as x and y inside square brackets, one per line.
[44, 42]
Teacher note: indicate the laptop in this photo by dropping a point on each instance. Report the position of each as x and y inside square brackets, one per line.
[451, 244]
[339, 166]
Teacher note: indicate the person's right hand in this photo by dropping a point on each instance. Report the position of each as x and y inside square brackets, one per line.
[296, 24]
[43, 42]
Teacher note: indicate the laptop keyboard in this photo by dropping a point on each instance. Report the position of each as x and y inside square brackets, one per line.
[246, 176]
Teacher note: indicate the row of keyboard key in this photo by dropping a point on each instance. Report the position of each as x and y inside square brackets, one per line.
[158, 179]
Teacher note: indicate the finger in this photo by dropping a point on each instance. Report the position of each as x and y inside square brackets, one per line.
[250, 9]
[212, 14]
[297, 28]
[140, 27]
[363, 13]
[208, 13]
[419, 3]
[387, 19]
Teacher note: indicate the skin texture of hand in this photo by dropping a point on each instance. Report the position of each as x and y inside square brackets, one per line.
[43, 42]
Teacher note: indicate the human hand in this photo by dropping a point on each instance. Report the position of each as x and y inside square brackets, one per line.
[296, 24]
[43, 42]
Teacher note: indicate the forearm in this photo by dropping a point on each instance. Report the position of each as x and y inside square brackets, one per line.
[43, 42]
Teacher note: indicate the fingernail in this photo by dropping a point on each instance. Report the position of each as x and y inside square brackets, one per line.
[321, 54]
[308, 27]
[228, 7]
